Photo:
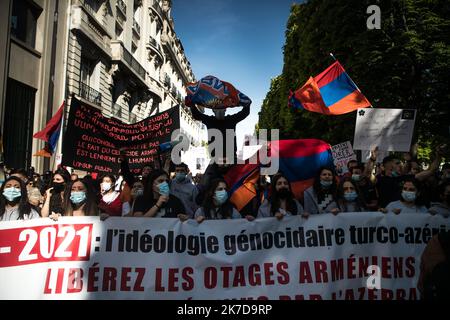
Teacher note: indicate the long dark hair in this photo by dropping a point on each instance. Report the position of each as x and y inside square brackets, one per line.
[225, 210]
[360, 206]
[24, 205]
[275, 200]
[320, 191]
[56, 201]
[90, 205]
[148, 187]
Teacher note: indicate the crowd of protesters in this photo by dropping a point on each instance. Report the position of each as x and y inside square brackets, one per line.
[395, 186]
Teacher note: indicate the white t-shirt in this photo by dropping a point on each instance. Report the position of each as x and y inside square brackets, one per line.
[12, 214]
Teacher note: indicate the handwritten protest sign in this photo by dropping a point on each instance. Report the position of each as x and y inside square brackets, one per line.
[389, 129]
[92, 141]
[342, 154]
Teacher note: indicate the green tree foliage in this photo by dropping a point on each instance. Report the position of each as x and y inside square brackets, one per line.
[405, 64]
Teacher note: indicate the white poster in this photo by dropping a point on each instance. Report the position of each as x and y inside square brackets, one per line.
[342, 154]
[389, 129]
[322, 257]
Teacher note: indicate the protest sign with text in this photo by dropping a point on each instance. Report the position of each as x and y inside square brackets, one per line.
[389, 129]
[323, 257]
[92, 141]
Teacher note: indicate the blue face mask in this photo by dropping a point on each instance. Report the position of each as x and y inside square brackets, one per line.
[221, 196]
[77, 197]
[326, 184]
[409, 196]
[356, 177]
[395, 174]
[164, 189]
[350, 196]
[12, 193]
[180, 177]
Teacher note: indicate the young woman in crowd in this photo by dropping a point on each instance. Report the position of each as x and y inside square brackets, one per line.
[410, 202]
[322, 196]
[79, 200]
[157, 202]
[282, 202]
[110, 202]
[14, 203]
[350, 198]
[216, 204]
[54, 196]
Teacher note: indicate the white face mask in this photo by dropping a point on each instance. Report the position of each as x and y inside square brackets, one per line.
[106, 186]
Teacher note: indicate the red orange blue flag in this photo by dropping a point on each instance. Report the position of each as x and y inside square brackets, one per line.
[50, 133]
[332, 92]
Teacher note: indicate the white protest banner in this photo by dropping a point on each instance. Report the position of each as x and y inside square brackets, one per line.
[342, 154]
[323, 257]
[389, 129]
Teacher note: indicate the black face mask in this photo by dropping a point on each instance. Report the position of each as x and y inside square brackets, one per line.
[283, 193]
[58, 186]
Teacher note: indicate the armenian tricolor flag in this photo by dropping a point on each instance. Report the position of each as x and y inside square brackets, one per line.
[332, 93]
[299, 160]
[50, 134]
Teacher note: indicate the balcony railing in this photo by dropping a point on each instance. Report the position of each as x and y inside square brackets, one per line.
[158, 8]
[91, 5]
[122, 7]
[136, 27]
[90, 94]
[133, 63]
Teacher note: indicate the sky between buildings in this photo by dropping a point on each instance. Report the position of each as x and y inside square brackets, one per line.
[238, 41]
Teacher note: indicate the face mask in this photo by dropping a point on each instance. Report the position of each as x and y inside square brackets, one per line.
[12, 193]
[395, 174]
[180, 177]
[356, 177]
[77, 197]
[106, 186]
[137, 192]
[221, 196]
[164, 189]
[326, 184]
[58, 186]
[283, 193]
[409, 196]
[350, 196]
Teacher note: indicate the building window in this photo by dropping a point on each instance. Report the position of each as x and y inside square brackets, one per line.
[24, 20]
[89, 81]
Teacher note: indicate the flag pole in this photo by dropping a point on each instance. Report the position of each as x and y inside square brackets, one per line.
[332, 55]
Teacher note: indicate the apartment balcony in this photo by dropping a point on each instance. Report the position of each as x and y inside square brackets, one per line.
[158, 10]
[124, 57]
[122, 8]
[170, 44]
[155, 47]
[90, 94]
[136, 28]
[92, 29]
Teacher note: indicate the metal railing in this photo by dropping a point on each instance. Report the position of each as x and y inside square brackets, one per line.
[134, 64]
[122, 7]
[91, 5]
[90, 94]
[136, 27]
[158, 8]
